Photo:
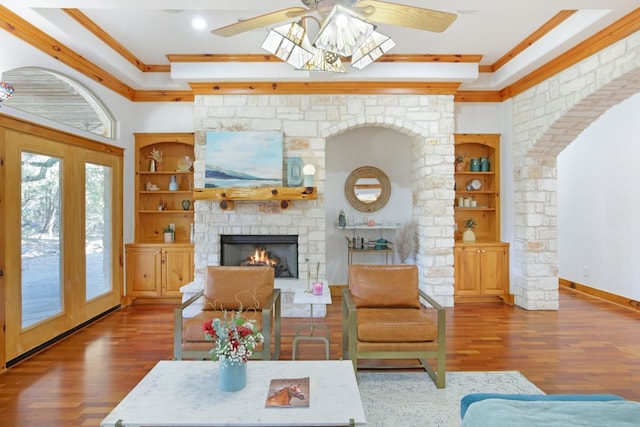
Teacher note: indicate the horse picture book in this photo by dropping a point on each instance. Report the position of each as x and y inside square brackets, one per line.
[288, 393]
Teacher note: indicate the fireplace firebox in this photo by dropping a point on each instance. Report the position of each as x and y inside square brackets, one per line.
[277, 251]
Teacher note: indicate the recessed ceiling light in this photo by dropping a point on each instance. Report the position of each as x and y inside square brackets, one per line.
[199, 23]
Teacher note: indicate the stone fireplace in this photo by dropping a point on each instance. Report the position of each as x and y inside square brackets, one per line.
[277, 251]
[307, 121]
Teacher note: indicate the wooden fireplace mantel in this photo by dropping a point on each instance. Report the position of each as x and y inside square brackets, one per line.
[227, 196]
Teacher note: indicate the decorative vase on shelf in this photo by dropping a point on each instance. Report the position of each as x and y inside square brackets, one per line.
[468, 235]
[294, 172]
[233, 375]
[173, 185]
[484, 164]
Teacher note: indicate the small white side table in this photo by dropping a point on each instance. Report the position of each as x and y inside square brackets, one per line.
[303, 296]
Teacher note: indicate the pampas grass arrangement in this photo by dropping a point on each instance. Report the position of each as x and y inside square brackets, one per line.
[406, 241]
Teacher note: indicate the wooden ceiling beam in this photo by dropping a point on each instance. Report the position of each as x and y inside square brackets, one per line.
[23, 30]
[324, 88]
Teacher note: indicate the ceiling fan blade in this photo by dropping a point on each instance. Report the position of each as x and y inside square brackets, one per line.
[406, 16]
[260, 21]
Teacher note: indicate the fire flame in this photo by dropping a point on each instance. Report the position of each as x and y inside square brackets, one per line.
[260, 257]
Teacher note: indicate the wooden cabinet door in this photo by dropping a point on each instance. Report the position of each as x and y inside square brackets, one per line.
[143, 271]
[467, 270]
[177, 269]
[493, 270]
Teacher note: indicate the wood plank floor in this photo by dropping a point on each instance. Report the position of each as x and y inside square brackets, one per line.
[588, 346]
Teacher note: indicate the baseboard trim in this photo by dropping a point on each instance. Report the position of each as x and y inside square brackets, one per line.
[603, 295]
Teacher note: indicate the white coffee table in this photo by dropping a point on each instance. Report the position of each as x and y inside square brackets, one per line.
[186, 394]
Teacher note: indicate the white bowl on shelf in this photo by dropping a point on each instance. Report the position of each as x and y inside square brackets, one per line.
[185, 163]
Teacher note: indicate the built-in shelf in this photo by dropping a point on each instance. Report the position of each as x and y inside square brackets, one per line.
[166, 192]
[175, 172]
[476, 208]
[168, 211]
[369, 227]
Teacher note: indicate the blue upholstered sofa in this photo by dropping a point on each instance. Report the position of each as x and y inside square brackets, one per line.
[555, 410]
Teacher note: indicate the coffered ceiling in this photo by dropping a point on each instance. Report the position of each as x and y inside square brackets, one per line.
[151, 45]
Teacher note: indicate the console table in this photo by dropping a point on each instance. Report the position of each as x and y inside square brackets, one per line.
[186, 394]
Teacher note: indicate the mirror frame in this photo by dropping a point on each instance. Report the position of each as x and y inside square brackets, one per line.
[367, 172]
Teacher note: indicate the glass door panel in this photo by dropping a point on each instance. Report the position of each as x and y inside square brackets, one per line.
[41, 255]
[62, 250]
[98, 230]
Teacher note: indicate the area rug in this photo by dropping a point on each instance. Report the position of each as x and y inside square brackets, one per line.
[412, 399]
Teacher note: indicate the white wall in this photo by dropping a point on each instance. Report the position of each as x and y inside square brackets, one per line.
[389, 151]
[163, 117]
[479, 117]
[598, 203]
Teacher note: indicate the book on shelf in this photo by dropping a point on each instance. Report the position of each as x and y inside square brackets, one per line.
[288, 393]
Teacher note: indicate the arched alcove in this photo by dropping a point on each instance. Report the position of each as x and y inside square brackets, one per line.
[386, 149]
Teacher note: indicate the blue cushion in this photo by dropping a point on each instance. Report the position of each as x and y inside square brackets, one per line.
[477, 397]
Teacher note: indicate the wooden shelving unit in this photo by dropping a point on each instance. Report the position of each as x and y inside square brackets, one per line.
[487, 198]
[481, 268]
[156, 269]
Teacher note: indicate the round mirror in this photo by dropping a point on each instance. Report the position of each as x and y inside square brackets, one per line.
[367, 189]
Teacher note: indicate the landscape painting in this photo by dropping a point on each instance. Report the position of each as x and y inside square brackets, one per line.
[243, 159]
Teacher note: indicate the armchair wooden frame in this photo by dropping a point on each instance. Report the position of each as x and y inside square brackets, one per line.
[350, 343]
[271, 312]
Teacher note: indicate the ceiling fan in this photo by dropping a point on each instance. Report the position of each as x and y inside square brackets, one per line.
[374, 11]
[346, 30]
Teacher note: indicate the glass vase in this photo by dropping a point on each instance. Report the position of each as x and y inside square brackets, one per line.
[233, 375]
[173, 185]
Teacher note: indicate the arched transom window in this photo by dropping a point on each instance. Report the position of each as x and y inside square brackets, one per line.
[58, 98]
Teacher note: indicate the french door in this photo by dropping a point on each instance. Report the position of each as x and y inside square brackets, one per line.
[63, 237]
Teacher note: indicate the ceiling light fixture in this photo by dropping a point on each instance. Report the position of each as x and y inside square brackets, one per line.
[342, 31]
[342, 34]
[376, 45]
[290, 43]
[324, 61]
[199, 23]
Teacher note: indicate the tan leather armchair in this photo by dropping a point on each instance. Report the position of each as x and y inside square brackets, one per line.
[383, 318]
[231, 288]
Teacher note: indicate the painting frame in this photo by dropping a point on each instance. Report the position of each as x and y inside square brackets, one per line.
[247, 159]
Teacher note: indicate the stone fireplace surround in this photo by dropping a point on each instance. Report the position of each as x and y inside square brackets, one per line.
[307, 121]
